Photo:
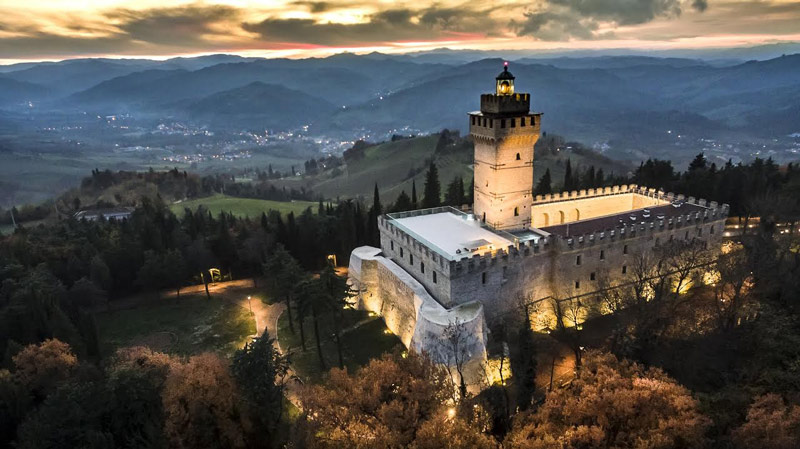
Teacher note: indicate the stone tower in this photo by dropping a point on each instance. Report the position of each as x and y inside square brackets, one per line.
[504, 132]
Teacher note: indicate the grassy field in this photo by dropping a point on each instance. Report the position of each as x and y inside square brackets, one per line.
[363, 338]
[242, 207]
[185, 326]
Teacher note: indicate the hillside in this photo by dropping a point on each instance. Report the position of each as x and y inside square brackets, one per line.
[260, 105]
[395, 165]
[241, 207]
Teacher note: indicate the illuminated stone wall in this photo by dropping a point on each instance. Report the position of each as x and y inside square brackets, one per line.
[412, 314]
[550, 213]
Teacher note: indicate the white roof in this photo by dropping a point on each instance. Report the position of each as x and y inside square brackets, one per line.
[452, 234]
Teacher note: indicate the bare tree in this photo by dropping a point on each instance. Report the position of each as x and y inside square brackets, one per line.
[732, 288]
[454, 351]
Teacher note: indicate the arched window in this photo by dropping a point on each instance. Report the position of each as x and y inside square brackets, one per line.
[484, 217]
[516, 211]
[518, 157]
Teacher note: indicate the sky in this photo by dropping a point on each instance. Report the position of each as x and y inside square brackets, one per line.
[63, 29]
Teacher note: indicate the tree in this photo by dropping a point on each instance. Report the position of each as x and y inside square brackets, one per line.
[453, 351]
[403, 203]
[311, 298]
[524, 362]
[543, 187]
[455, 193]
[201, 405]
[285, 273]
[176, 270]
[152, 275]
[99, 273]
[395, 401]
[261, 372]
[771, 424]
[42, 367]
[613, 403]
[433, 194]
[414, 201]
[335, 295]
[733, 288]
[569, 180]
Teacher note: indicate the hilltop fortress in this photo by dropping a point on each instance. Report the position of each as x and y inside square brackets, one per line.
[441, 266]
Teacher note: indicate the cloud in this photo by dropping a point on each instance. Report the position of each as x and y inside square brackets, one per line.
[179, 26]
[700, 5]
[382, 27]
[582, 19]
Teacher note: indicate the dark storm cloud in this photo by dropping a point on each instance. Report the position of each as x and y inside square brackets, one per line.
[580, 19]
[622, 12]
[316, 7]
[385, 26]
[700, 5]
[184, 25]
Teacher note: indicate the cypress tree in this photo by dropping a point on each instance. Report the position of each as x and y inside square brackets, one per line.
[544, 186]
[569, 182]
[414, 201]
[433, 191]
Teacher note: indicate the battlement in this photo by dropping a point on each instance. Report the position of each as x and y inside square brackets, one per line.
[590, 193]
[505, 104]
[555, 243]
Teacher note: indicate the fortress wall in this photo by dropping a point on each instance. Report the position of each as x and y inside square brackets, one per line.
[393, 239]
[411, 313]
[554, 213]
[537, 272]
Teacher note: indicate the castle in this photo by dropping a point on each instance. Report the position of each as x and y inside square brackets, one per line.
[441, 266]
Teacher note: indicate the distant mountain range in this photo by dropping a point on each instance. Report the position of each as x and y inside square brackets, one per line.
[630, 98]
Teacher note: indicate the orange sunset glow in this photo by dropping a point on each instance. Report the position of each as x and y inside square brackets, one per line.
[60, 29]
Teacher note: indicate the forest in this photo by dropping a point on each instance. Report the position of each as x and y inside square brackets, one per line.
[717, 367]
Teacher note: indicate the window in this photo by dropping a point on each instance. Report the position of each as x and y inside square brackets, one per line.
[516, 211]
[473, 120]
[491, 123]
[625, 249]
[518, 157]
[624, 269]
[434, 277]
[577, 285]
[484, 217]
[602, 254]
[578, 260]
[686, 236]
[483, 277]
[391, 243]
[422, 267]
[513, 123]
[411, 258]
[592, 276]
[502, 123]
[505, 273]
[401, 252]
[522, 121]
[711, 229]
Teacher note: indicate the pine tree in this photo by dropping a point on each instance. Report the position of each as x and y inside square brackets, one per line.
[403, 203]
[544, 186]
[433, 193]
